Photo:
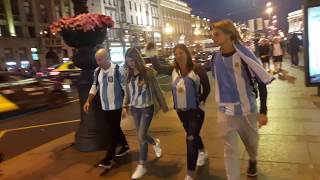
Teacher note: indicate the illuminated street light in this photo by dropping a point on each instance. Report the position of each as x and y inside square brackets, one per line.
[269, 4]
[274, 17]
[197, 32]
[274, 21]
[168, 29]
[269, 10]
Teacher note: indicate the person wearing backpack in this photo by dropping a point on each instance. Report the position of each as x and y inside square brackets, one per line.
[142, 93]
[237, 71]
[108, 84]
[190, 89]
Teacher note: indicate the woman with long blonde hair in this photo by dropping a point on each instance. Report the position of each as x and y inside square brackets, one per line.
[142, 92]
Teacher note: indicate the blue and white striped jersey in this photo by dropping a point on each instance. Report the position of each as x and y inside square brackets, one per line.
[140, 93]
[109, 87]
[234, 94]
[185, 90]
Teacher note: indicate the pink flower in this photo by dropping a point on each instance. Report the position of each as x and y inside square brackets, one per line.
[82, 22]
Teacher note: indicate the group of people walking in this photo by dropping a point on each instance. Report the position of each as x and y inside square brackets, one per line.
[275, 49]
[239, 80]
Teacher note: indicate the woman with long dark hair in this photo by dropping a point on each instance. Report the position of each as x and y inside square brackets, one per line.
[237, 71]
[190, 89]
[142, 92]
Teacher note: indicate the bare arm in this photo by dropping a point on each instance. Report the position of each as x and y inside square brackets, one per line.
[161, 69]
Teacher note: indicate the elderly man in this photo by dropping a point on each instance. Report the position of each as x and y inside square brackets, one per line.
[107, 82]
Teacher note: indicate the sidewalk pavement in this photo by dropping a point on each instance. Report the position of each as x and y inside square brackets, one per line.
[289, 145]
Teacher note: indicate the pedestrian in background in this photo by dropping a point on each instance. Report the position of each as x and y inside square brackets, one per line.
[237, 70]
[190, 89]
[142, 92]
[278, 50]
[107, 84]
[265, 52]
[294, 44]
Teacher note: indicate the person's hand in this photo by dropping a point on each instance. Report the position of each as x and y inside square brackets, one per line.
[86, 106]
[124, 112]
[263, 120]
[166, 109]
[201, 105]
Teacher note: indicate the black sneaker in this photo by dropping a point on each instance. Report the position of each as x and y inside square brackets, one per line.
[123, 151]
[105, 163]
[252, 169]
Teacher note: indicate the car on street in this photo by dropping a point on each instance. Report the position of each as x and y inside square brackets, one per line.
[66, 73]
[19, 93]
[204, 59]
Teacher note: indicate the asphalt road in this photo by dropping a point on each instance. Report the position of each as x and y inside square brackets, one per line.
[27, 131]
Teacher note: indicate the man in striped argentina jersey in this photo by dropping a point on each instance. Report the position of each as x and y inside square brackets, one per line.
[237, 70]
[107, 84]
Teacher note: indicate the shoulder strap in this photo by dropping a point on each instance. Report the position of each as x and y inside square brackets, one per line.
[97, 77]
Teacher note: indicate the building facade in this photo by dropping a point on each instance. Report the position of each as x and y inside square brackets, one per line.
[24, 40]
[136, 23]
[295, 20]
[176, 23]
[201, 29]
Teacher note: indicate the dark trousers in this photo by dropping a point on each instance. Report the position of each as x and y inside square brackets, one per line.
[115, 132]
[295, 59]
[192, 121]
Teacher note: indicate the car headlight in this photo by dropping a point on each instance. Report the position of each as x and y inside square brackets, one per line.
[66, 86]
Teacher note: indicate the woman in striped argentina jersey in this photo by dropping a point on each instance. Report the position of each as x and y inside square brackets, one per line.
[190, 89]
[141, 93]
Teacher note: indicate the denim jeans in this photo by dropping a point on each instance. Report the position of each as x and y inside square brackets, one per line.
[192, 121]
[142, 118]
[295, 59]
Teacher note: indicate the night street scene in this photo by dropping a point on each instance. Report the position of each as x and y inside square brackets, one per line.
[160, 89]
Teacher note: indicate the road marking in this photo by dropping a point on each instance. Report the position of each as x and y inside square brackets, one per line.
[164, 84]
[76, 100]
[3, 132]
[162, 76]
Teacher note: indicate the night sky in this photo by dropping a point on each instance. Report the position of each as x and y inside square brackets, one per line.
[243, 10]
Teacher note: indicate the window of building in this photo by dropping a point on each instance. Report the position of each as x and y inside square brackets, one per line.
[4, 31]
[23, 54]
[43, 12]
[130, 5]
[32, 32]
[67, 8]
[131, 19]
[140, 8]
[147, 8]
[135, 6]
[109, 2]
[2, 10]
[8, 54]
[15, 10]
[19, 32]
[28, 10]
[137, 20]
[57, 7]
[141, 21]
[148, 21]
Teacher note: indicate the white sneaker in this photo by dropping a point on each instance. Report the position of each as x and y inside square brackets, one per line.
[157, 149]
[139, 172]
[202, 158]
[188, 178]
